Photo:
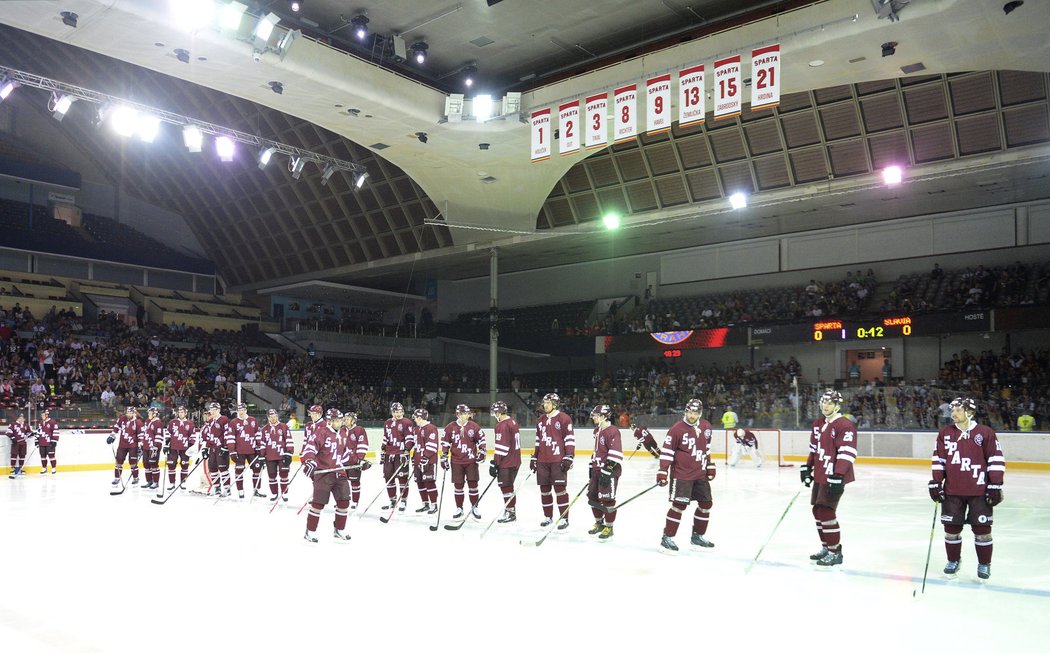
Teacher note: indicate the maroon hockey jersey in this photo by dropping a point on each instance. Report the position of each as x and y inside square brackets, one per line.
[466, 441]
[555, 440]
[748, 440]
[213, 432]
[323, 446]
[507, 445]
[128, 432]
[356, 443]
[969, 462]
[426, 437]
[276, 440]
[397, 436]
[607, 447]
[832, 449]
[181, 434]
[644, 437]
[48, 432]
[20, 432]
[153, 435]
[685, 449]
[242, 435]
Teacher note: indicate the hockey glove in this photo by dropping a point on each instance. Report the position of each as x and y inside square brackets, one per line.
[566, 464]
[661, 478]
[224, 452]
[365, 465]
[481, 457]
[993, 496]
[806, 474]
[309, 467]
[835, 486]
[445, 463]
[205, 453]
[109, 440]
[711, 472]
[167, 451]
[604, 477]
[936, 491]
[493, 469]
[533, 463]
[382, 459]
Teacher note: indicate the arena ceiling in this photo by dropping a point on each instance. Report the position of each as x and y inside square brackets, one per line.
[971, 125]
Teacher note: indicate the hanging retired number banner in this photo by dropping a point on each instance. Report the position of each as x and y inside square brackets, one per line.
[727, 87]
[625, 113]
[597, 123]
[765, 77]
[691, 96]
[541, 135]
[569, 126]
[658, 104]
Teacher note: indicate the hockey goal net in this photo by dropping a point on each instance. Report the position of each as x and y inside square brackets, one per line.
[769, 448]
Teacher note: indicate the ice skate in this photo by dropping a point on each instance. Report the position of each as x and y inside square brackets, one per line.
[424, 508]
[699, 540]
[458, 513]
[951, 568]
[508, 516]
[310, 536]
[597, 528]
[546, 522]
[984, 572]
[819, 554]
[667, 544]
[401, 506]
[563, 523]
[831, 559]
[341, 536]
[475, 513]
[606, 533]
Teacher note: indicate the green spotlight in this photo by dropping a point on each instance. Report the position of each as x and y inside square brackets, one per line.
[611, 221]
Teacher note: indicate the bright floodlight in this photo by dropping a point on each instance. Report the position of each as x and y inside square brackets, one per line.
[482, 107]
[147, 128]
[359, 180]
[61, 106]
[192, 138]
[611, 221]
[124, 120]
[738, 200]
[265, 155]
[192, 15]
[892, 175]
[6, 87]
[266, 25]
[329, 170]
[224, 147]
[231, 15]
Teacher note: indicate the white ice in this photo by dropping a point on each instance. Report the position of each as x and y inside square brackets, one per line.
[86, 571]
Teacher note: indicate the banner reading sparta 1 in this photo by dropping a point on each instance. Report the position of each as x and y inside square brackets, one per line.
[569, 124]
[727, 87]
[625, 114]
[658, 104]
[691, 96]
[541, 135]
[765, 77]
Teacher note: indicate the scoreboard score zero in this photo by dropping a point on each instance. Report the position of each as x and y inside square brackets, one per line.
[890, 327]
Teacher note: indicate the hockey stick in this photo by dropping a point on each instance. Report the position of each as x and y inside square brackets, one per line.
[320, 471]
[554, 522]
[770, 538]
[512, 495]
[163, 476]
[621, 505]
[175, 488]
[402, 498]
[383, 489]
[456, 527]
[280, 494]
[441, 500]
[929, 549]
[636, 450]
[237, 479]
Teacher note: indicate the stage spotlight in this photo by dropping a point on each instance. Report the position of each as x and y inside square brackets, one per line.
[225, 148]
[6, 87]
[468, 74]
[124, 120]
[192, 138]
[295, 5]
[482, 107]
[266, 26]
[360, 179]
[231, 16]
[265, 155]
[329, 170]
[59, 105]
[738, 200]
[360, 24]
[191, 15]
[147, 127]
[892, 175]
[419, 51]
[611, 221]
[296, 166]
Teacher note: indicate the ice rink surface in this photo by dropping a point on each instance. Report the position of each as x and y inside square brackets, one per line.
[86, 571]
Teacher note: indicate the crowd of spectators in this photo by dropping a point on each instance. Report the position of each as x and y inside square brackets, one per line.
[1018, 284]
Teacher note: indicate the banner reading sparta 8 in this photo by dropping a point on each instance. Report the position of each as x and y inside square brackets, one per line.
[691, 96]
[765, 77]
[597, 124]
[569, 121]
[658, 104]
[541, 135]
[727, 87]
[625, 113]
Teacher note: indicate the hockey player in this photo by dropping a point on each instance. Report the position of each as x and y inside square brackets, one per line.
[323, 449]
[181, 435]
[463, 448]
[242, 439]
[18, 431]
[968, 469]
[645, 440]
[277, 449]
[357, 445]
[151, 441]
[684, 459]
[745, 441]
[552, 459]
[506, 458]
[425, 460]
[397, 442]
[47, 441]
[606, 467]
[832, 452]
[215, 450]
[126, 432]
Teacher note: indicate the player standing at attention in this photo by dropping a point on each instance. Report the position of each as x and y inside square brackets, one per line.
[745, 441]
[242, 439]
[357, 446]
[323, 449]
[425, 460]
[464, 439]
[151, 442]
[277, 450]
[127, 430]
[397, 438]
[506, 458]
[968, 469]
[832, 452]
[645, 440]
[684, 460]
[552, 459]
[47, 441]
[214, 449]
[18, 431]
[606, 466]
[180, 437]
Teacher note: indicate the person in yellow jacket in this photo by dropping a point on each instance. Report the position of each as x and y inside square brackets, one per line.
[1026, 423]
[729, 419]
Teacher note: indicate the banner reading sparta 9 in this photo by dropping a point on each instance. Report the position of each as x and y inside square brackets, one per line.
[658, 104]
[765, 77]
[541, 135]
[727, 87]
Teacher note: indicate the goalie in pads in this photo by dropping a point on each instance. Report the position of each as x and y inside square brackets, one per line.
[745, 442]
